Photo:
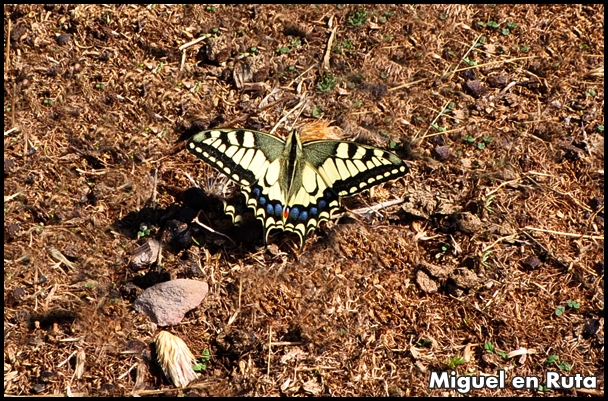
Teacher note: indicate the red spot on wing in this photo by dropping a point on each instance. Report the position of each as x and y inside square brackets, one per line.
[285, 212]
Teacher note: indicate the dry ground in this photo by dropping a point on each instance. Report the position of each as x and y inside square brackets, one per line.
[498, 247]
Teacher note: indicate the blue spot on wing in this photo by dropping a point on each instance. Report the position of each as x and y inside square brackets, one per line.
[294, 213]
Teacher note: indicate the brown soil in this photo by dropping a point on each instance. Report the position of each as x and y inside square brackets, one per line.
[499, 111]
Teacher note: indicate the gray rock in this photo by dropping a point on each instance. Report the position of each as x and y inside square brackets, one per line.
[167, 303]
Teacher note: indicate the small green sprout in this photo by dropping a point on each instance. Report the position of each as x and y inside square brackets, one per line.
[202, 365]
[326, 83]
[358, 17]
[551, 359]
[565, 366]
[488, 203]
[317, 111]
[573, 304]
[455, 361]
[484, 259]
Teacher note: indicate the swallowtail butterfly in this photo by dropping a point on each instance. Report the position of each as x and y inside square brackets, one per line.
[291, 185]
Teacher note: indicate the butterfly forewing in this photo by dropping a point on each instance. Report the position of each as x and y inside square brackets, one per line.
[349, 168]
[240, 154]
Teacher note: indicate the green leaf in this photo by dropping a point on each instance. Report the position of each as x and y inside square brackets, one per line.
[424, 342]
[326, 83]
[573, 304]
[455, 361]
[560, 310]
[551, 359]
[317, 112]
[358, 17]
[439, 128]
[489, 347]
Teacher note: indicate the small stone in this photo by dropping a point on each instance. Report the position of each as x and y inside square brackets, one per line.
[442, 153]
[592, 326]
[531, 262]
[596, 203]
[464, 278]
[468, 223]
[475, 88]
[426, 283]
[145, 255]
[498, 81]
[440, 272]
[62, 39]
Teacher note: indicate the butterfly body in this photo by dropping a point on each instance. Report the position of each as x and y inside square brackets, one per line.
[292, 185]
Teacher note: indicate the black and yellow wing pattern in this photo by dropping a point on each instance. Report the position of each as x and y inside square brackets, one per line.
[290, 185]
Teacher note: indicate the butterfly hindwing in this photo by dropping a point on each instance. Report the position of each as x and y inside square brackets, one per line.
[251, 159]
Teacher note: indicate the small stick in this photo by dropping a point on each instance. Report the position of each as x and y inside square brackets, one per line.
[330, 42]
[8, 46]
[193, 42]
[269, 349]
[154, 189]
[197, 221]
[572, 235]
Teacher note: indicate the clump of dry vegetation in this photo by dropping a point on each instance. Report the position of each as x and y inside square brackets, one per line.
[494, 259]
